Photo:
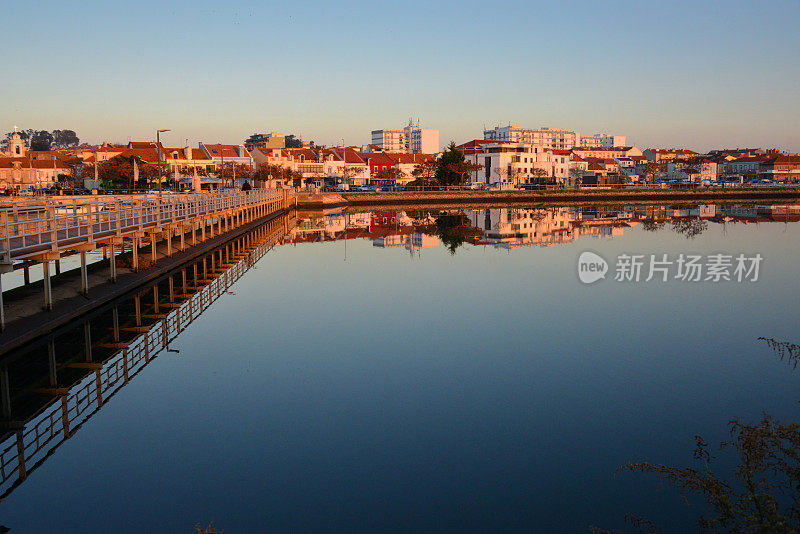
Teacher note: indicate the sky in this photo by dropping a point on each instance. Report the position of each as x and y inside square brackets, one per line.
[701, 74]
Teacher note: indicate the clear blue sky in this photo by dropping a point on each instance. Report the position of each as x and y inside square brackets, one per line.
[699, 74]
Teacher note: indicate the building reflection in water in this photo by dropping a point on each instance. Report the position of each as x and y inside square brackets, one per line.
[511, 228]
[49, 390]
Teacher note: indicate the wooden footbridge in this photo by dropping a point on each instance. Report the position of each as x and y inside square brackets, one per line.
[39, 231]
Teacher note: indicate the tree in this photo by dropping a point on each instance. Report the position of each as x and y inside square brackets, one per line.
[388, 174]
[293, 142]
[79, 171]
[446, 175]
[348, 173]
[462, 169]
[690, 169]
[689, 227]
[118, 172]
[239, 171]
[539, 174]
[453, 229]
[65, 138]
[501, 173]
[426, 171]
[41, 140]
[763, 493]
[578, 173]
[270, 171]
[652, 168]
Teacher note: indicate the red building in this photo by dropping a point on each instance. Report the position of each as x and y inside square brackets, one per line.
[378, 161]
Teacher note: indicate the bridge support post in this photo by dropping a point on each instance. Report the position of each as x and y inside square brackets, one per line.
[21, 454]
[87, 340]
[153, 249]
[83, 249]
[115, 321]
[4, 268]
[135, 253]
[48, 290]
[84, 276]
[5, 393]
[51, 360]
[137, 302]
[112, 262]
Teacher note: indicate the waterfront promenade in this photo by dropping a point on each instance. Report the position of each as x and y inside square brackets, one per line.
[555, 196]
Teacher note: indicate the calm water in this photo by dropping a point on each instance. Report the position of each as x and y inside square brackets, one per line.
[364, 375]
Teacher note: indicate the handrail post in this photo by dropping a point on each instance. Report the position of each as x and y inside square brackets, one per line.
[119, 217]
[90, 218]
[51, 222]
[6, 237]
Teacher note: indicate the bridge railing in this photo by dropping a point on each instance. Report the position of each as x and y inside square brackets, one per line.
[35, 227]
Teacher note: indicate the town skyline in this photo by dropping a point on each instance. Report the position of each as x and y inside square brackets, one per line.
[330, 72]
[175, 139]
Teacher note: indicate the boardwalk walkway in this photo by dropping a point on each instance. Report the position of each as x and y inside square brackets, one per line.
[40, 231]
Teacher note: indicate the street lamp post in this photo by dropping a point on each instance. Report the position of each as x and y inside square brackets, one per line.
[158, 153]
[345, 177]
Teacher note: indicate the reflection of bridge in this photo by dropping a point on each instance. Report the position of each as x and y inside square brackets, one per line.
[49, 391]
[42, 231]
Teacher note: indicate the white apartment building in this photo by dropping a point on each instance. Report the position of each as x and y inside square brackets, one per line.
[518, 163]
[602, 140]
[391, 140]
[424, 140]
[551, 138]
[411, 140]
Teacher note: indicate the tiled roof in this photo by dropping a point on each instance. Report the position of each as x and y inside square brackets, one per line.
[225, 151]
[400, 157]
[377, 158]
[148, 155]
[306, 153]
[675, 151]
[754, 159]
[27, 163]
[350, 155]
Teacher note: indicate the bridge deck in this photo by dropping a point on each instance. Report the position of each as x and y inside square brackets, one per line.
[30, 228]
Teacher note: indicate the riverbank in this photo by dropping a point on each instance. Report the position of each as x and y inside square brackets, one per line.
[431, 198]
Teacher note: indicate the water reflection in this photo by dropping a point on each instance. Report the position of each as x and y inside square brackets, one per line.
[51, 389]
[378, 401]
[511, 228]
